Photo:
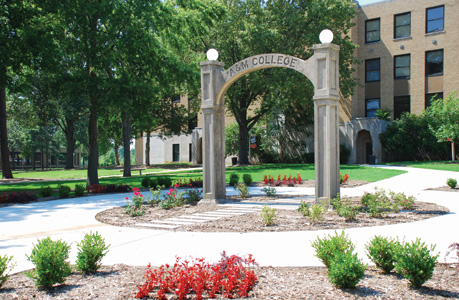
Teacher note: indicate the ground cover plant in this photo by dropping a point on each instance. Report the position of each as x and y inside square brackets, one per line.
[268, 215]
[231, 276]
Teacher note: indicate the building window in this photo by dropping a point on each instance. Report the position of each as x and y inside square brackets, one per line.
[431, 97]
[402, 25]
[175, 152]
[190, 152]
[434, 63]
[372, 31]
[401, 104]
[192, 123]
[435, 19]
[402, 67]
[371, 106]
[372, 68]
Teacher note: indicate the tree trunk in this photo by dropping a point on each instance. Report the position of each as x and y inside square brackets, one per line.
[243, 142]
[126, 120]
[453, 152]
[147, 149]
[69, 134]
[6, 168]
[93, 155]
[117, 155]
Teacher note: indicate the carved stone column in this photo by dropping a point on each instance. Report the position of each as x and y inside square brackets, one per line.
[326, 121]
[213, 134]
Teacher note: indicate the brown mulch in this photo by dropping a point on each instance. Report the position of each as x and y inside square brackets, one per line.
[287, 219]
[120, 282]
[444, 189]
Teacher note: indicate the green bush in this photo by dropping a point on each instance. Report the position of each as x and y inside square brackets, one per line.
[268, 215]
[234, 180]
[304, 209]
[79, 190]
[247, 178]
[5, 268]
[243, 190]
[193, 196]
[64, 191]
[269, 191]
[346, 270]
[416, 263]
[328, 247]
[452, 183]
[317, 213]
[376, 204]
[145, 182]
[91, 250]
[383, 252]
[153, 183]
[46, 191]
[348, 212]
[164, 181]
[49, 258]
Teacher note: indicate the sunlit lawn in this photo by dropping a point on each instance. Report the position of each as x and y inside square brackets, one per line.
[256, 171]
[433, 165]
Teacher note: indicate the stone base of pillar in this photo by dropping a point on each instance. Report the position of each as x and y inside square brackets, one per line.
[210, 202]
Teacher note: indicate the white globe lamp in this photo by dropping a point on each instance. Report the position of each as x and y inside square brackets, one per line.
[326, 36]
[212, 54]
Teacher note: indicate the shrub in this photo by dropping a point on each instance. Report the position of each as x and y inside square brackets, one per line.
[164, 181]
[79, 190]
[317, 213]
[96, 188]
[49, 258]
[328, 247]
[304, 209]
[269, 191]
[64, 191]
[193, 195]
[5, 268]
[247, 178]
[121, 188]
[268, 215]
[234, 180]
[153, 183]
[452, 183]
[21, 197]
[376, 204]
[336, 202]
[46, 191]
[347, 211]
[416, 263]
[145, 182]
[346, 270]
[401, 200]
[155, 196]
[134, 207]
[383, 252]
[243, 190]
[91, 250]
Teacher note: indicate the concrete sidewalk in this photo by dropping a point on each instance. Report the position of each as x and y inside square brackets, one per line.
[70, 219]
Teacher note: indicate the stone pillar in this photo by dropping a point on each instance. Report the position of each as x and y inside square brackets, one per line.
[194, 146]
[213, 134]
[326, 121]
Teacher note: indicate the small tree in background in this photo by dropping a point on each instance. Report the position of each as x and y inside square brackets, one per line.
[443, 115]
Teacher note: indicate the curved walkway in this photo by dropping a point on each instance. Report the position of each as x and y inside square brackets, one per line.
[70, 219]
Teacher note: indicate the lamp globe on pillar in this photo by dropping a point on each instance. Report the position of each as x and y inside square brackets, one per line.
[326, 36]
[212, 54]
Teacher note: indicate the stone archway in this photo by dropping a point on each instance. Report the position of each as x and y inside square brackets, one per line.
[322, 69]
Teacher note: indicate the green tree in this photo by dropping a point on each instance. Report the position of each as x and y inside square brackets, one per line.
[276, 26]
[443, 117]
[409, 138]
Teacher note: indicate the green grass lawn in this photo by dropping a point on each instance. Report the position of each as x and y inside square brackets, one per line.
[433, 165]
[256, 171]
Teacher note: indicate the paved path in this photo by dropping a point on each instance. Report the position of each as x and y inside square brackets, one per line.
[70, 219]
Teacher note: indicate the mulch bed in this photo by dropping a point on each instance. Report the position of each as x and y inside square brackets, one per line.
[120, 282]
